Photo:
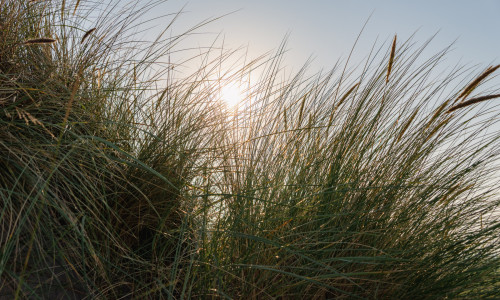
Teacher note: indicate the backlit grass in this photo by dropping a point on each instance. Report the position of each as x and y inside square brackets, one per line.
[121, 177]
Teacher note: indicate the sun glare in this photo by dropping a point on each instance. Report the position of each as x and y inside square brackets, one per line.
[231, 94]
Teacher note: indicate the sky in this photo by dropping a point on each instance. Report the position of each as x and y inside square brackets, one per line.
[326, 30]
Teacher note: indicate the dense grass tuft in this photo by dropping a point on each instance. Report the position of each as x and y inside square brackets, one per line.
[120, 178]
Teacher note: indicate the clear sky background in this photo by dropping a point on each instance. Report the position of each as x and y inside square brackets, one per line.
[326, 30]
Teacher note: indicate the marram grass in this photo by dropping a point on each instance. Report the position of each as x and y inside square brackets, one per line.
[121, 179]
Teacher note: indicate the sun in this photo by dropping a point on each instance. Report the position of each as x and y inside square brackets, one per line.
[231, 94]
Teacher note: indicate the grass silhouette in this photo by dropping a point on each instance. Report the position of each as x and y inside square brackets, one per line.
[120, 179]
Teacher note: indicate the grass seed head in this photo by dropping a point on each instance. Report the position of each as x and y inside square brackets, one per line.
[40, 41]
[473, 101]
[391, 59]
[476, 82]
[87, 34]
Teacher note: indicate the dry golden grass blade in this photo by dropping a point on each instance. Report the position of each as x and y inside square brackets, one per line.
[391, 59]
[347, 95]
[27, 117]
[74, 89]
[473, 101]
[270, 234]
[436, 129]
[40, 41]
[135, 73]
[86, 35]
[405, 127]
[454, 192]
[301, 111]
[476, 82]
[99, 78]
[21, 116]
[342, 101]
[286, 125]
[437, 113]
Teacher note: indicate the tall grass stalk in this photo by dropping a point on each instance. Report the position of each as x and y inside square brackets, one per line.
[122, 178]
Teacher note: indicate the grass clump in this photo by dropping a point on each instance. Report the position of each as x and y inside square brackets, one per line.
[119, 178]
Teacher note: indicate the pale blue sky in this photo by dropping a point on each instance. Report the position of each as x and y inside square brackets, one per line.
[327, 30]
